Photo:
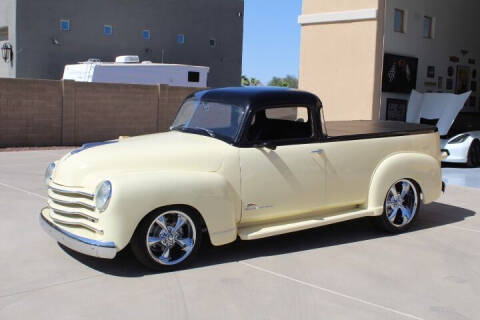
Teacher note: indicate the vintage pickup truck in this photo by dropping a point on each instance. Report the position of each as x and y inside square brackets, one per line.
[238, 162]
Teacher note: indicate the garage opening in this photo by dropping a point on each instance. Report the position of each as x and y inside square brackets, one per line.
[431, 46]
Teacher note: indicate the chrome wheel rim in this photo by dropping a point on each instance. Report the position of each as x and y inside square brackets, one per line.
[171, 237]
[401, 203]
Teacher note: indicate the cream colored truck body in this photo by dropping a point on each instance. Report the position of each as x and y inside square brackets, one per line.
[246, 192]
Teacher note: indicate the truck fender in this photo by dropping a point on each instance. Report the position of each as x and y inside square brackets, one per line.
[136, 195]
[424, 169]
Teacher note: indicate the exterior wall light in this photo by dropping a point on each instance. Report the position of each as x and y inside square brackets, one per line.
[7, 52]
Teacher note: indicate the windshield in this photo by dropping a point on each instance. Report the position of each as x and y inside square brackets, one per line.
[216, 119]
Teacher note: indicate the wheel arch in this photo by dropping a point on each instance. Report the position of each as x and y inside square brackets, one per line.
[422, 169]
[135, 196]
[178, 206]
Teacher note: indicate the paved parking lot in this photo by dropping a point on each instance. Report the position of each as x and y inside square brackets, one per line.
[344, 271]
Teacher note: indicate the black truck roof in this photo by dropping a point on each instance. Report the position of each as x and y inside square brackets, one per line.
[257, 97]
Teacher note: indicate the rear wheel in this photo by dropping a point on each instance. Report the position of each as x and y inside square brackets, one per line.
[401, 207]
[168, 239]
[473, 158]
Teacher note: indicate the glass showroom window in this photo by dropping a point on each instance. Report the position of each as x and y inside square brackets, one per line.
[181, 39]
[65, 25]
[107, 30]
[427, 27]
[146, 34]
[399, 22]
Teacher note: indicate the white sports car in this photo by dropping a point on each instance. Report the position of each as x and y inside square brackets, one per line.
[459, 132]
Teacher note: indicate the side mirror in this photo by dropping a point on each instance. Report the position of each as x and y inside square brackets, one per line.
[268, 145]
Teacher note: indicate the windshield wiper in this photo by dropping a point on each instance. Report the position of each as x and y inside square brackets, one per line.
[182, 127]
[179, 127]
[208, 131]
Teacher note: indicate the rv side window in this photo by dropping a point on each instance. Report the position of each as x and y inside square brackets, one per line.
[193, 76]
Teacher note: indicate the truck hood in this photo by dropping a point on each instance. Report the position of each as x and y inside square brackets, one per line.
[162, 151]
[438, 109]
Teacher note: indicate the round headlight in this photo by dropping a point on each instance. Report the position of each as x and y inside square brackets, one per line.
[49, 172]
[103, 195]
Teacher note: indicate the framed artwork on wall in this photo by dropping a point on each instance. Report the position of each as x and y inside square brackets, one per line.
[397, 109]
[463, 79]
[430, 72]
[450, 71]
[449, 85]
[399, 73]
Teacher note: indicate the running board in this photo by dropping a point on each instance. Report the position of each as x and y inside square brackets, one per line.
[259, 231]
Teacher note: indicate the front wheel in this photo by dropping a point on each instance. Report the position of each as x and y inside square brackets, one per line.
[401, 207]
[168, 239]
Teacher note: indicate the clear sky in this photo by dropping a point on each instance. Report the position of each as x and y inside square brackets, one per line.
[271, 38]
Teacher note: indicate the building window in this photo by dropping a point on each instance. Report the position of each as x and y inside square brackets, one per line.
[181, 39]
[213, 43]
[427, 27]
[399, 21]
[193, 76]
[107, 30]
[65, 25]
[146, 34]
[4, 34]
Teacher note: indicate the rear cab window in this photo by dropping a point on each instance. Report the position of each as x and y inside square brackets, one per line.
[281, 124]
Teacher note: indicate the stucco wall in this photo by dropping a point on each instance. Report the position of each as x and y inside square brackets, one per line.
[198, 20]
[456, 28]
[338, 60]
[317, 6]
[44, 112]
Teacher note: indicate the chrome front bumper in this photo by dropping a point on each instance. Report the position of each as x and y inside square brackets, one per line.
[83, 245]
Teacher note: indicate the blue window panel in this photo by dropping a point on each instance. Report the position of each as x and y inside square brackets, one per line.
[181, 38]
[107, 30]
[146, 34]
[65, 25]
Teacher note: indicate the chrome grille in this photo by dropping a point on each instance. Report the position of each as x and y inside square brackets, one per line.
[73, 207]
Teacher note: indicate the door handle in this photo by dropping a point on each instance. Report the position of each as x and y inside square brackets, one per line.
[318, 151]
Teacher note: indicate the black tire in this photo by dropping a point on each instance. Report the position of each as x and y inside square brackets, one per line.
[145, 253]
[383, 222]
[473, 158]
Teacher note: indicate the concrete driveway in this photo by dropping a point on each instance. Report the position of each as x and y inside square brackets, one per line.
[343, 271]
[457, 174]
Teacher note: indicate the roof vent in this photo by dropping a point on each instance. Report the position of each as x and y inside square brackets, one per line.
[127, 59]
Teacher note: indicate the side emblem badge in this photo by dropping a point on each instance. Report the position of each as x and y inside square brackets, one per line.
[253, 206]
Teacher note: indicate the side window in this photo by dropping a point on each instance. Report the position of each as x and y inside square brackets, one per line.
[193, 76]
[280, 123]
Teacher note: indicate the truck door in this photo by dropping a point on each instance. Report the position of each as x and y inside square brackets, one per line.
[281, 173]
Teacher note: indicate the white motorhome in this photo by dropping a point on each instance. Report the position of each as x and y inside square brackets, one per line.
[129, 69]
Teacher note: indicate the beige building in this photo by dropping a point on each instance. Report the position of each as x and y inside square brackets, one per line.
[363, 57]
